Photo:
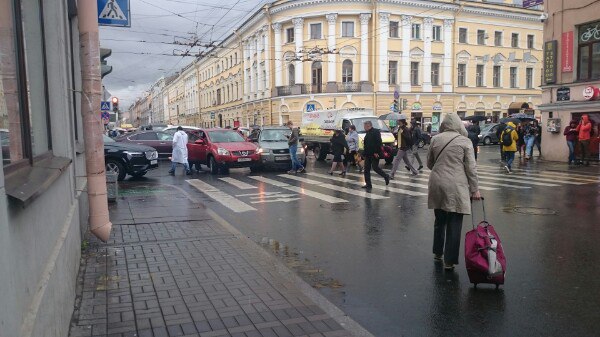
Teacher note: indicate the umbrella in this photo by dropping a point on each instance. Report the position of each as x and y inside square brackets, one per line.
[523, 117]
[475, 119]
[507, 120]
[392, 116]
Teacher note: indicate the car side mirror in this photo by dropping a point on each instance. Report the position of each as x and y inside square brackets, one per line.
[199, 142]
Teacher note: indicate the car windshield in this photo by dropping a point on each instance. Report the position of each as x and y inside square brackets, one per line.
[225, 137]
[107, 139]
[377, 124]
[487, 127]
[279, 135]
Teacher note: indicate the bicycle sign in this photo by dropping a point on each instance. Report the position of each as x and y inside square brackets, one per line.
[590, 33]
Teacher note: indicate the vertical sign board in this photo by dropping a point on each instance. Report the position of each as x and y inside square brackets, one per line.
[550, 61]
[566, 48]
[532, 3]
[114, 13]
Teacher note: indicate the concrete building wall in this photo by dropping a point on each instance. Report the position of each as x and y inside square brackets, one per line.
[40, 241]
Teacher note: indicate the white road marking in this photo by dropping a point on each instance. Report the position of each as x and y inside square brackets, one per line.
[237, 183]
[223, 198]
[354, 182]
[335, 187]
[277, 195]
[563, 173]
[300, 190]
[506, 177]
[546, 175]
[274, 200]
[394, 182]
[484, 188]
[421, 176]
[257, 194]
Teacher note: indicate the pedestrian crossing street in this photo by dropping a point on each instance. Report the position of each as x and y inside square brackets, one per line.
[243, 193]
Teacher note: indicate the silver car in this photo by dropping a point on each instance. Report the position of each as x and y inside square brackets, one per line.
[273, 147]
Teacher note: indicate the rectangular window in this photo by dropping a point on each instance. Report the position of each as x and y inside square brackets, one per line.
[513, 77]
[479, 75]
[290, 35]
[498, 39]
[497, 76]
[589, 52]
[462, 69]
[529, 77]
[416, 31]
[394, 29]
[437, 33]
[514, 41]
[393, 72]
[435, 74]
[530, 41]
[462, 35]
[414, 73]
[315, 31]
[348, 29]
[480, 37]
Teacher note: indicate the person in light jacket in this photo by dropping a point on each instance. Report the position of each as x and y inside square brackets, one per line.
[352, 139]
[180, 152]
[452, 184]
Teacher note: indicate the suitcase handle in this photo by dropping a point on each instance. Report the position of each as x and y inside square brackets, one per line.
[473, 212]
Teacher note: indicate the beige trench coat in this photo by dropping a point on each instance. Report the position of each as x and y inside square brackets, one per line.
[453, 176]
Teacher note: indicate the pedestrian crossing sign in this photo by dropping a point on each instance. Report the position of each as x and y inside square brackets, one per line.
[105, 106]
[114, 13]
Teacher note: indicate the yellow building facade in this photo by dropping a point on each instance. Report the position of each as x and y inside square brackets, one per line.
[290, 57]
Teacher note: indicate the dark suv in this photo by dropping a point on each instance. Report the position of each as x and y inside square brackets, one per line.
[126, 158]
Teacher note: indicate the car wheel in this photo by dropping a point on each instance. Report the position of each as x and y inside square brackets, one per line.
[320, 153]
[214, 168]
[487, 141]
[116, 167]
[139, 174]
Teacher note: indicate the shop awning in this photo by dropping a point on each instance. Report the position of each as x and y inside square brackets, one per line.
[518, 106]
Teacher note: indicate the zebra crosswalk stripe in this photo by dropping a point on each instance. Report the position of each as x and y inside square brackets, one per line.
[483, 188]
[238, 183]
[334, 187]
[354, 182]
[545, 175]
[223, 198]
[300, 190]
[483, 177]
[568, 174]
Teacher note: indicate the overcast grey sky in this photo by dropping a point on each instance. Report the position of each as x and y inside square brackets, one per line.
[159, 23]
[136, 64]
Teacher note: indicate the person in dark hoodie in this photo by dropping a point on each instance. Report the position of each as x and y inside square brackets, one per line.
[474, 130]
[571, 136]
[339, 147]
[373, 152]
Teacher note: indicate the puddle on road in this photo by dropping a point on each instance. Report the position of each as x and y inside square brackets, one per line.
[530, 210]
[313, 275]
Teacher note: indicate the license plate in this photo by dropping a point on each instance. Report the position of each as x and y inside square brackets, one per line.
[244, 159]
[154, 162]
[282, 158]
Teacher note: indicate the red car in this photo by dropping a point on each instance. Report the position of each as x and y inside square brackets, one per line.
[221, 149]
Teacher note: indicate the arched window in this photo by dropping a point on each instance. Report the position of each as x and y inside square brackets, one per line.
[347, 71]
[291, 75]
[230, 61]
[235, 58]
[237, 90]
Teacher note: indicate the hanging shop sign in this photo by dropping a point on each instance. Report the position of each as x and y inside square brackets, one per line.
[563, 94]
[550, 61]
[566, 47]
[591, 93]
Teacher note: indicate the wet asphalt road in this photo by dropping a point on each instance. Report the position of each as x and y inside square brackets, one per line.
[372, 257]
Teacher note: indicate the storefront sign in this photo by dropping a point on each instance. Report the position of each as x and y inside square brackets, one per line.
[550, 61]
[591, 93]
[437, 106]
[417, 106]
[563, 94]
[566, 47]
[435, 122]
[589, 33]
[532, 3]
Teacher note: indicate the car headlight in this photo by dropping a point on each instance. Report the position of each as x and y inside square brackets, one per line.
[131, 154]
[222, 152]
[300, 150]
[261, 150]
[395, 143]
[150, 155]
[479, 136]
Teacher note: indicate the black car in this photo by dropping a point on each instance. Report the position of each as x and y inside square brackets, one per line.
[126, 158]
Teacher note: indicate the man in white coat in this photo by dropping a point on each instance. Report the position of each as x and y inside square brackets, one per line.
[180, 152]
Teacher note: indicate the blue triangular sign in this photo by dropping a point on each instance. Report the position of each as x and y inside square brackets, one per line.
[105, 106]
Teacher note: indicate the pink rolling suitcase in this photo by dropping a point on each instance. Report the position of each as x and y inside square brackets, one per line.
[484, 255]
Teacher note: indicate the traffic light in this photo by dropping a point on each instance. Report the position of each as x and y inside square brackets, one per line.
[404, 104]
[115, 104]
[105, 69]
[396, 106]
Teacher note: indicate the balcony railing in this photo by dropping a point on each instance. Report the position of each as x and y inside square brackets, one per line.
[312, 88]
[348, 87]
[284, 91]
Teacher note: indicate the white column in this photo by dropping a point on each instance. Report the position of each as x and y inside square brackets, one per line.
[384, 26]
[405, 60]
[364, 47]
[259, 72]
[252, 49]
[428, 37]
[246, 72]
[299, 39]
[447, 66]
[267, 57]
[331, 58]
[278, 55]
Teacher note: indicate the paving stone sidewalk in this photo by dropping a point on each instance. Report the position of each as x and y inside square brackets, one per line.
[169, 269]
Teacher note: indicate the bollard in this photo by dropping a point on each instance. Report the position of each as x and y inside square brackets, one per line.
[112, 186]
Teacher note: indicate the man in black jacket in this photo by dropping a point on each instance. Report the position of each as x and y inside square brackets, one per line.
[372, 152]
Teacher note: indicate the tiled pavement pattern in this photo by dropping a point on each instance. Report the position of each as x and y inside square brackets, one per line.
[186, 277]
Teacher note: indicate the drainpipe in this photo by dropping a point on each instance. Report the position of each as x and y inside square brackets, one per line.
[87, 13]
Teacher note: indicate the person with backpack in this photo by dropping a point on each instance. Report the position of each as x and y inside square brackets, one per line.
[339, 147]
[474, 130]
[405, 142]
[585, 134]
[509, 140]
[499, 131]
[530, 132]
[453, 183]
